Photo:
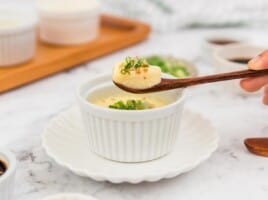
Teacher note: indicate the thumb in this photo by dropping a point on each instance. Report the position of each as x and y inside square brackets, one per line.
[259, 62]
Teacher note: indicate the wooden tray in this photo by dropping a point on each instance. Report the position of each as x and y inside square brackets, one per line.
[115, 33]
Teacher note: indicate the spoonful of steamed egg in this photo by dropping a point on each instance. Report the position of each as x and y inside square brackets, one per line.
[137, 76]
[136, 73]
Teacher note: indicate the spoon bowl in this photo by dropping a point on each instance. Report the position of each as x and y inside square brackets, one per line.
[258, 146]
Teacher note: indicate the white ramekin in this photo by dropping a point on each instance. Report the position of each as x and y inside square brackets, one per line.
[221, 60]
[65, 26]
[7, 180]
[69, 196]
[17, 42]
[208, 48]
[129, 136]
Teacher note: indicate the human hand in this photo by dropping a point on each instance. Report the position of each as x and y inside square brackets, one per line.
[254, 84]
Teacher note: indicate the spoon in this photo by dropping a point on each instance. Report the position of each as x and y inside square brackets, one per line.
[168, 84]
[258, 146]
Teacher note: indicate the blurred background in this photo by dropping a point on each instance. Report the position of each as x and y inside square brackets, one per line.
[180, 28]
[172, 15]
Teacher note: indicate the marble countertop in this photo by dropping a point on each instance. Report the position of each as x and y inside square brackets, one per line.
[231, 173]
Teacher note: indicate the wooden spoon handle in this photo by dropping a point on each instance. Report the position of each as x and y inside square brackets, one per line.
[218, 77]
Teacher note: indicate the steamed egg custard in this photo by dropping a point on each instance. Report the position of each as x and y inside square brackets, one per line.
[133, 73]
[11, 19]
[112, 97]
[130, 102]
[136, 73]
[8, 23]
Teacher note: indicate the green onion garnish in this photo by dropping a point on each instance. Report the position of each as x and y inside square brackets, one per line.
[131, 105]
[131, 63]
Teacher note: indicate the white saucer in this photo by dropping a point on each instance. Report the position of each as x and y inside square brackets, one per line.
[66, 142]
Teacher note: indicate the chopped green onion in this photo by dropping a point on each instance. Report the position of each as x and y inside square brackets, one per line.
[131, 104]
[132, 64]
[169, 66]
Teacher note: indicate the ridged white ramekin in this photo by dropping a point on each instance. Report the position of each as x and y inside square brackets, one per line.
[18, 41]
[62, 26]
[7, 180]
[129, 136]
[69, 196]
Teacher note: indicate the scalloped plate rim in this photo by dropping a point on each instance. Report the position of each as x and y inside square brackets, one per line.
[167, 174]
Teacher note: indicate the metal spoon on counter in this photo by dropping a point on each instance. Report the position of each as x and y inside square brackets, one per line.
[168, 84]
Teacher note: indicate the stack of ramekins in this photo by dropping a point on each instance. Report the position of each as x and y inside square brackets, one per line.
[61, 22]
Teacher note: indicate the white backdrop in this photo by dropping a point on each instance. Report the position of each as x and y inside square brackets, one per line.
[166, 15]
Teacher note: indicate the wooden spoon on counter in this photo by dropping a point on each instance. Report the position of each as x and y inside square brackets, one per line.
[258, 146]
[168, 84]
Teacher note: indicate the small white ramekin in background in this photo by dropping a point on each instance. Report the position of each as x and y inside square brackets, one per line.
[69, 196]
[222, 58]
[17, 36]
[208, 47]
[7, 179]
[68, 22]
[129, 135]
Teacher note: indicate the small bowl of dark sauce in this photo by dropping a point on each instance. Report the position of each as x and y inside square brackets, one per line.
[241, 60]
[7, 174]
[222, 41]
[215, 42]
[3, 167]
[234, 57]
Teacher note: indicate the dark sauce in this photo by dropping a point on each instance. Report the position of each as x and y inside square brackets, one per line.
[222, 41]
[240, 60]
[3, 168]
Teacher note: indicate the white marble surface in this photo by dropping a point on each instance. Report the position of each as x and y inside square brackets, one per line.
[231, 173]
